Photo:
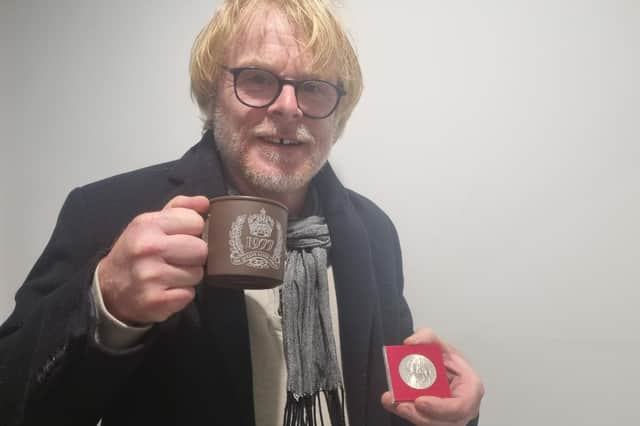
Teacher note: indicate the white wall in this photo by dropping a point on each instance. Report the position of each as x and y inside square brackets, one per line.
[501, 136]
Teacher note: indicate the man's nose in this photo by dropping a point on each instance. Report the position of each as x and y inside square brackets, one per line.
[285, 106]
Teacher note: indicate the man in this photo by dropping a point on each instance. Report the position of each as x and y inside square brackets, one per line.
[113, 322]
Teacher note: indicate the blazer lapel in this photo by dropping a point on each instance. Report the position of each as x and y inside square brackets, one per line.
[199, 171]
[355, 290]
[222, 311]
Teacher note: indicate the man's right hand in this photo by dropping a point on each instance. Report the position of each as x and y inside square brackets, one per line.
[153, 268]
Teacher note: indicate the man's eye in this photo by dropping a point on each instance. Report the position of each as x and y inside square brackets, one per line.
[313, 88]
[255, 78]
[310, 87]
[259, 79]
[318, 89]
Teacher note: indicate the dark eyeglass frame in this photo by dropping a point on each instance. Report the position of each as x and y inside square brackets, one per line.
[281, 83]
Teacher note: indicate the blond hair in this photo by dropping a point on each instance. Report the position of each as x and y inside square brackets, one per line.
[323, 36]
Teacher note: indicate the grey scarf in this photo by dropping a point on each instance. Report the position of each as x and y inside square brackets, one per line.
[309, 344]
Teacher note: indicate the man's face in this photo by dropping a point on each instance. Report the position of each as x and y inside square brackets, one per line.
[250, 140]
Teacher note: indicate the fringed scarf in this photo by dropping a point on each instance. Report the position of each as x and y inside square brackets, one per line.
[308, 339]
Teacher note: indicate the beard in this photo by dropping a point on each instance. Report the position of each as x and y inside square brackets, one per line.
[233, 144]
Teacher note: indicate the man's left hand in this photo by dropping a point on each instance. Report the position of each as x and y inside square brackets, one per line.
[466, 390]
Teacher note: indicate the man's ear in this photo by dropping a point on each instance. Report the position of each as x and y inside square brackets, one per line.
[336, 132]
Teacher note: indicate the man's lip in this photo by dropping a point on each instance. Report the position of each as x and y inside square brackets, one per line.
[278, 140]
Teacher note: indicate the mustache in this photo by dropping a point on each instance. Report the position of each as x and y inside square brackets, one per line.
[269, 130]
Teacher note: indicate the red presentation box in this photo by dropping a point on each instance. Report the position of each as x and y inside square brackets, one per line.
[416, 370]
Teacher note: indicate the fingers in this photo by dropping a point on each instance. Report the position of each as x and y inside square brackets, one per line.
[428, 411]
[178, 298]
[198, 203]
[182, 215]
[406, 410]
[176, 220]
[449, 410]
[467, 389]
[152, 269]
[152, 274]
[422, 335]
[387, 400]
[457, 365]
[184, 250]
[427, 335]
[454, 362]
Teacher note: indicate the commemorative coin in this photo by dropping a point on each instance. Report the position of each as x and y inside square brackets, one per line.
[417, 371]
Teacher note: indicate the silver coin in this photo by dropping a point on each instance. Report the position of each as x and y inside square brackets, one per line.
[417, 371]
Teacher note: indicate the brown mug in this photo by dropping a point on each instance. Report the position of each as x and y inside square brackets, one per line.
[247, 242]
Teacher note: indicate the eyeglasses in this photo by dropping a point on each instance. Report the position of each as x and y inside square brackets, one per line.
[258, 88]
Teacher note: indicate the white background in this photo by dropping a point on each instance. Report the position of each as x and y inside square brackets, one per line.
[501, 136]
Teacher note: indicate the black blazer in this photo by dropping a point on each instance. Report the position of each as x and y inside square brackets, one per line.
[195, 368]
